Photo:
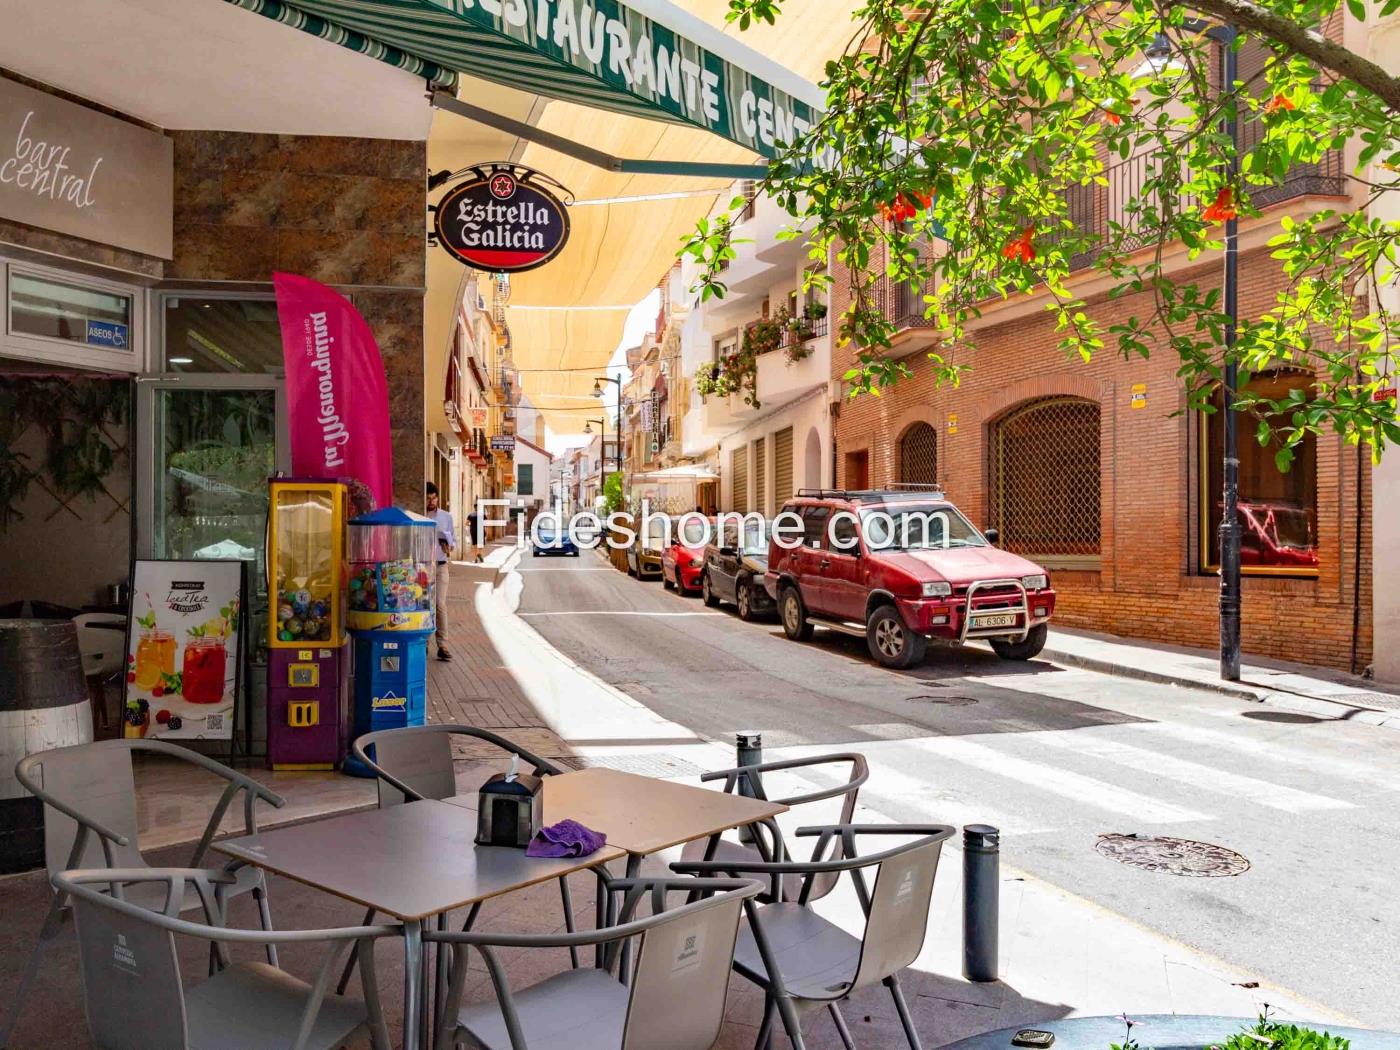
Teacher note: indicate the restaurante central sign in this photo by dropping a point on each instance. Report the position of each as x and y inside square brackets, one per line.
[502, 221]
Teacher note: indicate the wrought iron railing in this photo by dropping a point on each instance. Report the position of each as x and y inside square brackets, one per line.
[1094, 209]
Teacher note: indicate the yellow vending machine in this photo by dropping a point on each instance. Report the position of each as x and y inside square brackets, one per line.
[307, 660]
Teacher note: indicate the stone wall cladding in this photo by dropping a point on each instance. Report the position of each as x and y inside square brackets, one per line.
[343, 211]
[1148, 583]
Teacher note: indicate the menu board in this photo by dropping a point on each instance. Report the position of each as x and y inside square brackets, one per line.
[183, 649]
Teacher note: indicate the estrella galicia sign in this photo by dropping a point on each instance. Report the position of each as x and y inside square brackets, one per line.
[502, 222]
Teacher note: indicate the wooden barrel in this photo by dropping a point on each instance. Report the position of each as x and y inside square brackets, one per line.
[43, 705]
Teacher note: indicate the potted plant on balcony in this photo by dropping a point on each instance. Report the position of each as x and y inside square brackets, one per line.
[765, 336]
[814, 310]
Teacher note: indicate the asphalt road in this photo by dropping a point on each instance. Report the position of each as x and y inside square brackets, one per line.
[1055, 757]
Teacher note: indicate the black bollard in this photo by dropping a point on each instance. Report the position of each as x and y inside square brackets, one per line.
[748, 751]
[981, 895]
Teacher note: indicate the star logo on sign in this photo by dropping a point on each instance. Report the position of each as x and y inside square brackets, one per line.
[502, 186]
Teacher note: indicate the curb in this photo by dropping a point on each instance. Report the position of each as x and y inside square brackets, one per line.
[1332, 710]
[1119, 670]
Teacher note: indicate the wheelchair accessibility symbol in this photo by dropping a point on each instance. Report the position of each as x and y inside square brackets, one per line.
[108, 333]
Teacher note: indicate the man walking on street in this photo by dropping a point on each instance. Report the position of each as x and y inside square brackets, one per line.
[447, 538]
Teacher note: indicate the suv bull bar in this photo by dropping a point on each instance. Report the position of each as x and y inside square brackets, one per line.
[995, 632]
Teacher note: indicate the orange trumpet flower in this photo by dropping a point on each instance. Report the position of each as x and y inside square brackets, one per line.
[1224, 207]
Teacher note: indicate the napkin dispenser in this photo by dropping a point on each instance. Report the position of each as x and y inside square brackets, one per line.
[511, 809]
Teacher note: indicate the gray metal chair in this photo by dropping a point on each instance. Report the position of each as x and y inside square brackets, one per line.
[748, 780]
[415, 763]
[804, 962]
[671, 998]
[135, 995]
[89, 796]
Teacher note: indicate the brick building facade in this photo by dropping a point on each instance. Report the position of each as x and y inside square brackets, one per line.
[1016, 446]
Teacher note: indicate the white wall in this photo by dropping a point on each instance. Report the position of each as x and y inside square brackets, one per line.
[1385, 478]
[807, 416]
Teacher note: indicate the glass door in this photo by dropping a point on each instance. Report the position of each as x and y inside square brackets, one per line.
[209, 444]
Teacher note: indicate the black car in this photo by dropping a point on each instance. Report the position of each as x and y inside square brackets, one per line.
[734, 570]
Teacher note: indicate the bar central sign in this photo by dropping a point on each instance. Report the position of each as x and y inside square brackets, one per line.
[502, 221]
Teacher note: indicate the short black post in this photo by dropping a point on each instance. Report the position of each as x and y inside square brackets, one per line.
[748, 751]
[981, 896]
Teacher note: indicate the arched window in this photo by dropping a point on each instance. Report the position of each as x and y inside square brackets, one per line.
[918, 455]
[1045, 483]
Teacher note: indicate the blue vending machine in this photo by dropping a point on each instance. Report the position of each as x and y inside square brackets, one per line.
[393, 558]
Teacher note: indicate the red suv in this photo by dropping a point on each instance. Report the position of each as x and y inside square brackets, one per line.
[900, 568]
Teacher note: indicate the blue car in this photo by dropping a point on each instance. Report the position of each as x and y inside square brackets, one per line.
[547, 541]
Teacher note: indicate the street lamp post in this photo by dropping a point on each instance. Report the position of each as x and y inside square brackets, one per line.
[603, 445]
[598, 392]
[1230, 589]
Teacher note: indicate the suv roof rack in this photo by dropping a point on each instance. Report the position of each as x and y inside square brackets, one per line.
[894, 492]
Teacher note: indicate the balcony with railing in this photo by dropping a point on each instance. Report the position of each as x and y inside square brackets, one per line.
[1115, 210]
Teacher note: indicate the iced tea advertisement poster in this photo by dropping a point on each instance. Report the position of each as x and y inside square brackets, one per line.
[183, 648]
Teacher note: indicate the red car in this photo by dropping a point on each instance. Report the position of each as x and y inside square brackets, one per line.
[683, 561]
[900, 569]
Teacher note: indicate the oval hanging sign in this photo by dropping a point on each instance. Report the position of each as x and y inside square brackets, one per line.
[501, 223]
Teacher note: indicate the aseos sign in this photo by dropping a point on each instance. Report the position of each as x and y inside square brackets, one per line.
[502, 222]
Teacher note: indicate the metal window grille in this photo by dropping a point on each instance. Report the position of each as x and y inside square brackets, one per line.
[1045, 479]
[918, 455]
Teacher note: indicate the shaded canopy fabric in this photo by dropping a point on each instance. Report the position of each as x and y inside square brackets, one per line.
[567, 317]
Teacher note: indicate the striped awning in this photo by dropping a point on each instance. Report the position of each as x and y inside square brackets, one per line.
[319, 27]
[647, 59]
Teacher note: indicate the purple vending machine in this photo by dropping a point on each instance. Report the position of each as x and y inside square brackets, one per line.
[307, 659]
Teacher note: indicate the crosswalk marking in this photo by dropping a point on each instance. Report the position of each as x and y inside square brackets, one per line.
[1240, 742]
[1206, 778]
[1074, 786]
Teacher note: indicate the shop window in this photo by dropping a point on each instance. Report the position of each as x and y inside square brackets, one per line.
[76, 313]
[918, 456]
[1277, 510]
[238, 336]
[1045, 480]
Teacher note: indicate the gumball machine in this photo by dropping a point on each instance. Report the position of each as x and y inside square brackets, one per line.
[393, 555]
[307, 662]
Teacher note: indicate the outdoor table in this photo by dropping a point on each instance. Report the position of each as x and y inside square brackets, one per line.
[642, 815]
[414, 862]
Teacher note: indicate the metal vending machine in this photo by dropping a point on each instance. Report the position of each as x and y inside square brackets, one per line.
[393, 558]
[307, 659]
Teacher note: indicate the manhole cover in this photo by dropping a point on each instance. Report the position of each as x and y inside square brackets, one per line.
[1201, 860]
[946, 701]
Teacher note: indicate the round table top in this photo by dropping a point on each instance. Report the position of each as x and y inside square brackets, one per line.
[1159, 1032]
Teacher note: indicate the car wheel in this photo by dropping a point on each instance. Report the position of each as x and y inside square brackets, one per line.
[1024, 650]
[666, 581]
[891, 642]
[535, 553]
[795, 623]
[743, 597]
[706, 592]
[573, 553]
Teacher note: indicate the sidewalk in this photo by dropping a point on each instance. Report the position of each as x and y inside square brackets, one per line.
[1300, 688]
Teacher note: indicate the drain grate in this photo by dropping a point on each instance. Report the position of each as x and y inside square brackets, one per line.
[1200, 860]
[946, 701]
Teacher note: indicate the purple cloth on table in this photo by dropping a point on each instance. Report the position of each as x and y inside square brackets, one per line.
[568, 838]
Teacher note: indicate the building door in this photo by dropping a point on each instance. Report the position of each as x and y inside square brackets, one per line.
[739, 479]
[760, 476]
[858, 470]
[782, 468]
